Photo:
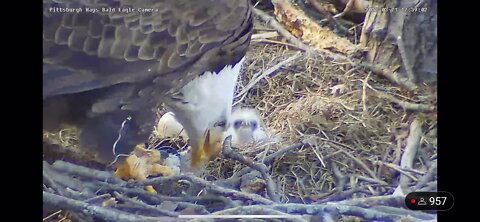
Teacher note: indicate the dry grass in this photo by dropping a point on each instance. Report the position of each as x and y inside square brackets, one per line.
[342, 115]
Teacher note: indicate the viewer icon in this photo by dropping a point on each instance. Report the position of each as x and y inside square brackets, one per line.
[422, 201]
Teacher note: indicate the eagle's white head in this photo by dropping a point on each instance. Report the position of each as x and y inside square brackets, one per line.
[205, 110]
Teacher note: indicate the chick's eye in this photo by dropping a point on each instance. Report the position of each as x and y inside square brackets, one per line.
[237, 124]
[254, 124]
[220, 124]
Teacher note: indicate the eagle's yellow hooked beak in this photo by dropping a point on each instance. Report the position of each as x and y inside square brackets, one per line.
[207, 147]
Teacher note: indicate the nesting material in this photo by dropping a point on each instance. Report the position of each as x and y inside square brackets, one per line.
[338, 108]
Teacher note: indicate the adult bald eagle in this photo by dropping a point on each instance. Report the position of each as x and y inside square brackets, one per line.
[106, 61]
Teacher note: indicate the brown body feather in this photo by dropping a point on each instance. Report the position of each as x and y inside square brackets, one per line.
[100, 68]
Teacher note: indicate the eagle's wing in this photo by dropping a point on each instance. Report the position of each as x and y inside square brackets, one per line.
[103, 66]
[89, 50]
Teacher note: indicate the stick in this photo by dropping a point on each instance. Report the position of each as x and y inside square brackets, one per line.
[343, 209]
[85, 172]
[389, 200]
[256, 210]
[107, 214]
[282, 151]
[212, 187]
[432, 186]
[361, 164]
[338, 144]
[260, 167]
[341, 179]
[413, 142]
[403, 211]
[157, 198]
[145, 206]
[389, 75]
[49, 180]
[405, 83]
[407, 105]
[265, 35]
[371, 180]
[280, 29]
[342, 195]
[396, 167]
[422, 181]
[348, 8]
[276, 42]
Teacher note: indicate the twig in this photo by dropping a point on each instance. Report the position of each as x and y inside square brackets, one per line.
[265, 35]
[368, 213]
[66, 181]
[317, 153]
[338, 196]
[407, 105]
[51, 215]
[89, 200]
[282, 151]
[277, 26]
[361, 164]
[371, 180]
[338, 144]
[348, 8]
[157, 198]
[402, 211]
[276, 42]
[405, 83]
[266, 73]
[260, 167]
[432, 186]
[413, 142]
[388, 200]
[47, 178]
[70, 193]
[145, 206]
[106, 214]
[398, 168]
[85, 172]
[256, 210]
[212, 187]
[389, 75]
[343, 209]
[341, 179]
[398, 152]
[324, 14]
[364, 94]
[427, 177]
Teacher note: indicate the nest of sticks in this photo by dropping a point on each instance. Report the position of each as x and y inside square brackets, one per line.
[351, 145]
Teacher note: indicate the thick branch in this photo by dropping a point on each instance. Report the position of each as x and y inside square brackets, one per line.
[413, 142]
[107, 214]
[212, 187]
